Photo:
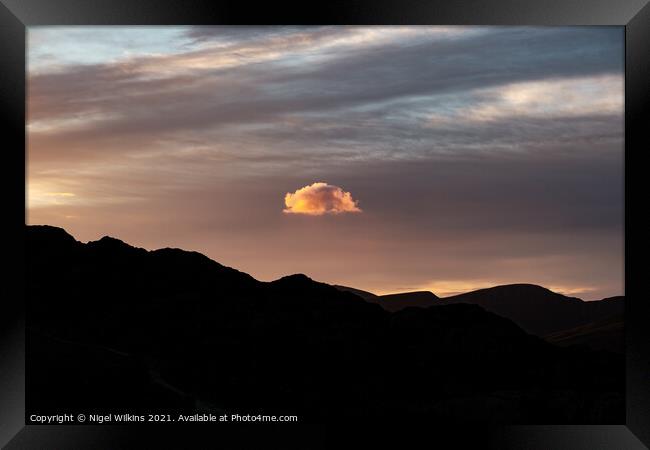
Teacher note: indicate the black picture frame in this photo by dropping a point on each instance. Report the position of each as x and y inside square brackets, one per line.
[16, 15]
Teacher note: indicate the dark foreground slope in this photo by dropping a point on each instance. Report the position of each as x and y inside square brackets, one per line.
[606, 334]
[115, 327]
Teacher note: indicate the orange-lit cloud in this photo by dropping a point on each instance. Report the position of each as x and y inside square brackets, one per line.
[318, 199]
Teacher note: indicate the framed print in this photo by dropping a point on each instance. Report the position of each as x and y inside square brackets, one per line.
[362, 213]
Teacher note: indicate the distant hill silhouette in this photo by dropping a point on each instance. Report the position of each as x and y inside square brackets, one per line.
[539, 310]
[368, 296]
[395, 302]
[534, 308]
[114, 326]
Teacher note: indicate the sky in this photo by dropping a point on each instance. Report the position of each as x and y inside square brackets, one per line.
[388, 159]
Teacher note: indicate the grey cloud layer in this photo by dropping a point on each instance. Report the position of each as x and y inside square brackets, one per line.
[270, 93]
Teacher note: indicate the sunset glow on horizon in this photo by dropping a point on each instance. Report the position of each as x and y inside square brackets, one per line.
[384, 158]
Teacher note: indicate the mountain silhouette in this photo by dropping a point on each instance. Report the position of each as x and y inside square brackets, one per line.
[539, 310]
[368, 296]
[534, 308]
[395, 302]
[116, 326]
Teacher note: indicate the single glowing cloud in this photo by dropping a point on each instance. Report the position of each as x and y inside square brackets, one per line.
[318, 199]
